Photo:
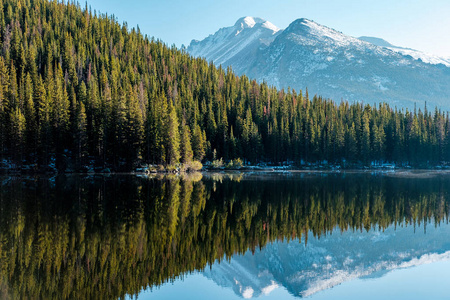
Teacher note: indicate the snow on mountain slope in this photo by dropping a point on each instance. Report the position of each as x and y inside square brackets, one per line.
[234, 45]
[425, 57]
[331, 260]
[416, 54]
[327, 62]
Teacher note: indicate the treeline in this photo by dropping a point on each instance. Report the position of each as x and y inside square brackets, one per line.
[113, 236]
[76, 87]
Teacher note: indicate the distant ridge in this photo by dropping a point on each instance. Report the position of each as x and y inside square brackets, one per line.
[376, 41]
[425, 57]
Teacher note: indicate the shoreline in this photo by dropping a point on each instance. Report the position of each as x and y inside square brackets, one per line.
[246, 171]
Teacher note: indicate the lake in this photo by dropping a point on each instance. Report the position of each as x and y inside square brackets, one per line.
[348, 235]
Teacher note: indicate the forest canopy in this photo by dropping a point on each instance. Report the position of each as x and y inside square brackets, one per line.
[77, 87]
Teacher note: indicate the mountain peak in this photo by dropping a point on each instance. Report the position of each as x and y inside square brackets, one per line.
[250, 22]
[303, 22]
[243, 40]
[304, 25]
[307, 32]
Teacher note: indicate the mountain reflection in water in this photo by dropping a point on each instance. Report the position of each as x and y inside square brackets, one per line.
[95, 237]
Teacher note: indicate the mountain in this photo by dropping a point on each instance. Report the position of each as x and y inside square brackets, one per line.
[328, 62]
[237, 44]
[331, 260]
[425, 57]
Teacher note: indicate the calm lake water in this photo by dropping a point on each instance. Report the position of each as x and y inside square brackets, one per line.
[226, 236]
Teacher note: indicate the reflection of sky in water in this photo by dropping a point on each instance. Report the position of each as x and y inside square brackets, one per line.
[394, 264]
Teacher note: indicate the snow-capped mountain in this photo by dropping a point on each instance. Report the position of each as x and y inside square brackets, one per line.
[329, 261]
[328, 63]
[234, 46]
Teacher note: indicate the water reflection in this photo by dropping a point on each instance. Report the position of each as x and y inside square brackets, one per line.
[75, 237]
[330, 261]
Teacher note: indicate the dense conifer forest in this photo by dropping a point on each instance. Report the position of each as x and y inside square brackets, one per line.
[76, 87]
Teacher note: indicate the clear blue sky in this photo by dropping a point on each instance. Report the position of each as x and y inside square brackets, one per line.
[419, 24]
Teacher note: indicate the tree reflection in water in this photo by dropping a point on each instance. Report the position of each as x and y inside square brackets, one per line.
[75, 237]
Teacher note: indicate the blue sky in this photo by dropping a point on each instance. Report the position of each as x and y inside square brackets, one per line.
[419, 24]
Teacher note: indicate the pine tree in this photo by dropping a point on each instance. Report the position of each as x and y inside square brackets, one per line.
[17, 134]
[198, 143]
[32, 133]
[156, 120]
[4, 104]
[365, 139]
[378, 148]
[186, 151]
[351, 144]
[80, 134]
[134, 127]
[43, 113]
[171, 138]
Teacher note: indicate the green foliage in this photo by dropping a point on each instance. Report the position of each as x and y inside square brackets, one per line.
[88, 87]
[198, 143]
[185, 145]
[235, 164]
[217, 163]
[172, 138]
[193, 166]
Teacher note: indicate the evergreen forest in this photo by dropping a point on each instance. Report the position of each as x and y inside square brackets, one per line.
[76, 88]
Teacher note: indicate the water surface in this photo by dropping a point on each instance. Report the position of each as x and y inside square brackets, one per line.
[282, 236]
